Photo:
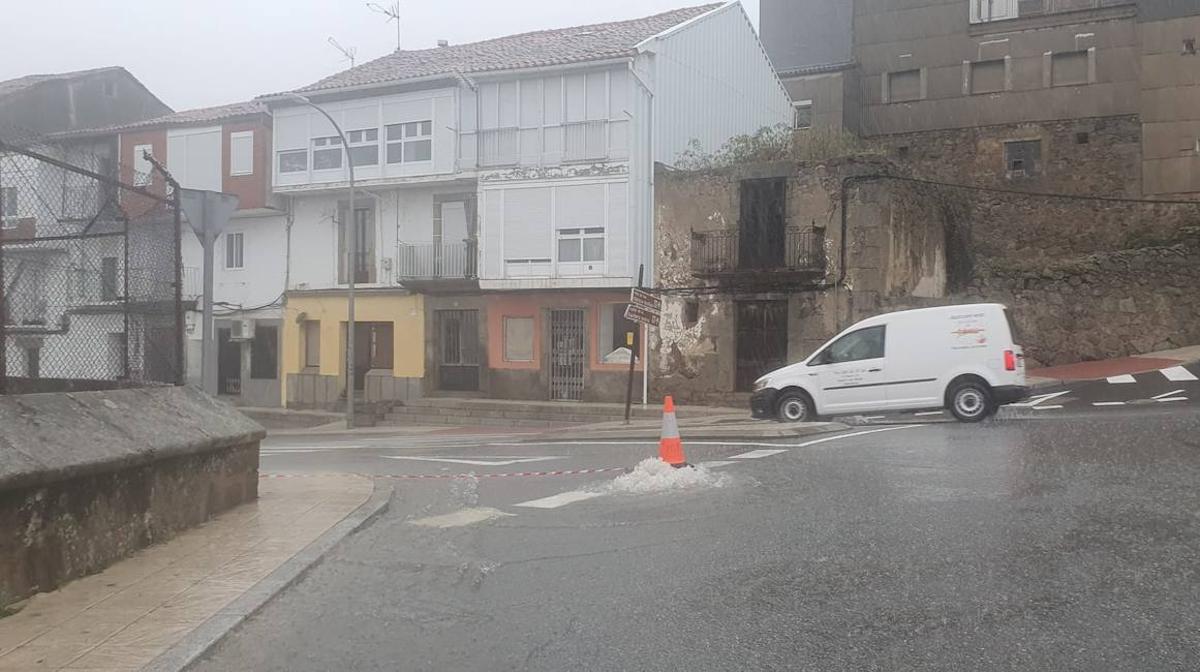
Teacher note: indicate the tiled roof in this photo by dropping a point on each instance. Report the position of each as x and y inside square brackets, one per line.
[203, 115]
[11, 86]
[527, 50]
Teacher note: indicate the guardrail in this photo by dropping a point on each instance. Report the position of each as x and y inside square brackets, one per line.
[436, 260]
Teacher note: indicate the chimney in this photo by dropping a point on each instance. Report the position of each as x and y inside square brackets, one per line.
[443, 43]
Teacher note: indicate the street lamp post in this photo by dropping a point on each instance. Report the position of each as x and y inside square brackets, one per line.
[352, 262]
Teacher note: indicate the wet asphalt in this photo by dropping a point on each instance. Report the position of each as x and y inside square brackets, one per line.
[1067, 542]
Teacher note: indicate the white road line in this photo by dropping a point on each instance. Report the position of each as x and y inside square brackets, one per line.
[748, 444]
[1122, 379]
[923, 413]
[713, 464]
[854, 434]
[1041, 398]
[1108, 403]
[874, 417]
[1166, 394]
[1178, 374]
[755, 454]
[461, 518]
[1173, 399]
[482, 462]
[561, 499]
[1046, 408]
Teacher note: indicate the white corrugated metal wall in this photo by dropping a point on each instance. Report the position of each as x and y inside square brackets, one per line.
[714, 81]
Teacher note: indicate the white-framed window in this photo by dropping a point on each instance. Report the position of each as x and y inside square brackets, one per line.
[409, 142]
[293, 161]
[580, 245]
[983, 11]
[234, 250]
[9, 203]
[327, 153]
[241, 153]
[802, 111]
[364, 146]
[141, 167]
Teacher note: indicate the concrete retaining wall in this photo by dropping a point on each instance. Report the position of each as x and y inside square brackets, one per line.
[88, 478]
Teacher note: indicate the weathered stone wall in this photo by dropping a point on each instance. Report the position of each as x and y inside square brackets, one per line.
[88, 478]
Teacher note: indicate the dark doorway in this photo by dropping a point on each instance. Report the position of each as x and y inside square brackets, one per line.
[229, 363]
[762, 223]
[373, 345]
[567, 355]
[761, 340]
[458, 350]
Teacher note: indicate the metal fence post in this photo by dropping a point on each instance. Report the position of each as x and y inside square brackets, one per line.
[125, 304]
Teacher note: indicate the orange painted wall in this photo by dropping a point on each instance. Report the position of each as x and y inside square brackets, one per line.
[534, 305]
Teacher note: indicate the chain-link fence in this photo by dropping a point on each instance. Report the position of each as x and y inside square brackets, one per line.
[89, 274]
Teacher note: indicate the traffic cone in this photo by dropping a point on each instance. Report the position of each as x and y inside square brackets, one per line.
[670, 446]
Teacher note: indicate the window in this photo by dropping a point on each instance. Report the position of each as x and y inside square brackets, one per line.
[8, 202]
[691, 313]
[1069, 68]
[241, 153]
[1023, 158]
[108, 279]
[141, 167]
[988, 76]
[327, 153]
[410, 142]
[802, 114]
[1031, 7]
[1189, 46]
[295, 161]
[856, 346]
[364, 146]
[518, 339]
[311, 332]
[234, 250]
[264, 353]
[904, 86]
[364, 263]
[995, 10]
[581, 245]
[614, 334]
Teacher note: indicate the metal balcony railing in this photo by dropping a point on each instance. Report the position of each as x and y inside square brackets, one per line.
[431, 261]
[193, 283]
[720, 252]
[499, 146]
[586, 141]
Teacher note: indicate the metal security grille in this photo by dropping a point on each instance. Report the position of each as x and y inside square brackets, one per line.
[761, 340]
[458, 350]
[567, 355]
[90, 274]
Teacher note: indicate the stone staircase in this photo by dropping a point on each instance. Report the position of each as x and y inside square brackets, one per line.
[507, 413]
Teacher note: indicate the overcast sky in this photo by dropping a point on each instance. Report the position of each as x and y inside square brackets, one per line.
[197, 53]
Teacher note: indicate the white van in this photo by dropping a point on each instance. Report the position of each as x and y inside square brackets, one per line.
[963, 358]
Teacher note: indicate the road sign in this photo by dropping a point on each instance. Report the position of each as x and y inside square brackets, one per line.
[636, 313]
[645, 300]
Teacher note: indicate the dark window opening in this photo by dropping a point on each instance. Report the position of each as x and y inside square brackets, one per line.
[902, 151]
[691, 313]
[1189, 46]
[264, 353]
[1023, 157]
[762, 226]
[1082, 138]
[364, 260]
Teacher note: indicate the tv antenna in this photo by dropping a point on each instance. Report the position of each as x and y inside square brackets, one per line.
[392, 12]
[348, 52]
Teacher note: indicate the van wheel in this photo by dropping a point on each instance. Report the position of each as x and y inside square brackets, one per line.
[971, 401]
[795, 406]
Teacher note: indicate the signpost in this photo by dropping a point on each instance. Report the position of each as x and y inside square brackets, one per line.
[646, 309]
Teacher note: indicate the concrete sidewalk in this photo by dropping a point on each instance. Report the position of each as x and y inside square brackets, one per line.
[1151, 361]
[124, 617]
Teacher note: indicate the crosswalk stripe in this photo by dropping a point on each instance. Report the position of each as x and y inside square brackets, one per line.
[755, 454]
[1108, 403]
[1121, 379]
[561, 499]
[1178, 374]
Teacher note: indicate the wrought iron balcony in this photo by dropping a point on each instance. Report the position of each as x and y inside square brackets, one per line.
[436, 261]
[796, 251]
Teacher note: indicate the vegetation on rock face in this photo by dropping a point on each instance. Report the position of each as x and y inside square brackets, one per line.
[778, 143]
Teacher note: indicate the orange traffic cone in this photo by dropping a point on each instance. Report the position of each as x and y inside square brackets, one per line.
[670, 446]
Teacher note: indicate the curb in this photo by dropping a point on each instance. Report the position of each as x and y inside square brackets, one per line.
[203, 639]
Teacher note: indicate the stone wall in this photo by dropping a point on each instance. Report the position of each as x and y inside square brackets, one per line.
[88, 478]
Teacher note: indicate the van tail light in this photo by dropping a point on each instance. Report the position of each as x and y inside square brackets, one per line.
[1010, 360]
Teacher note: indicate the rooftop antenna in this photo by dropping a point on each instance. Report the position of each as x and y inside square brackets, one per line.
[347, 52]
[392, 12]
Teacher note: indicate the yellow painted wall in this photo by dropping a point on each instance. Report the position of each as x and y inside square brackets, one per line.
[405, 311]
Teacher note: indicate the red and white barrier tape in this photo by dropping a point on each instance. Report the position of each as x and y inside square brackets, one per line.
[422, 477]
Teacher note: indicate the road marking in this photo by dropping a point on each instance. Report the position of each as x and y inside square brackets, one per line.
[922, 413]
[1166, 394]
[1178, 374]
[1122, 379]
[484, 462]
[755, 454]
[561, 499]
[1108, 403]
[873, 417]
[1034, 401]
[1173, 399]
[1046, 408]
[854, 434]
[748, 444]
[461, 518]
[307, 449]
[713, 464]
